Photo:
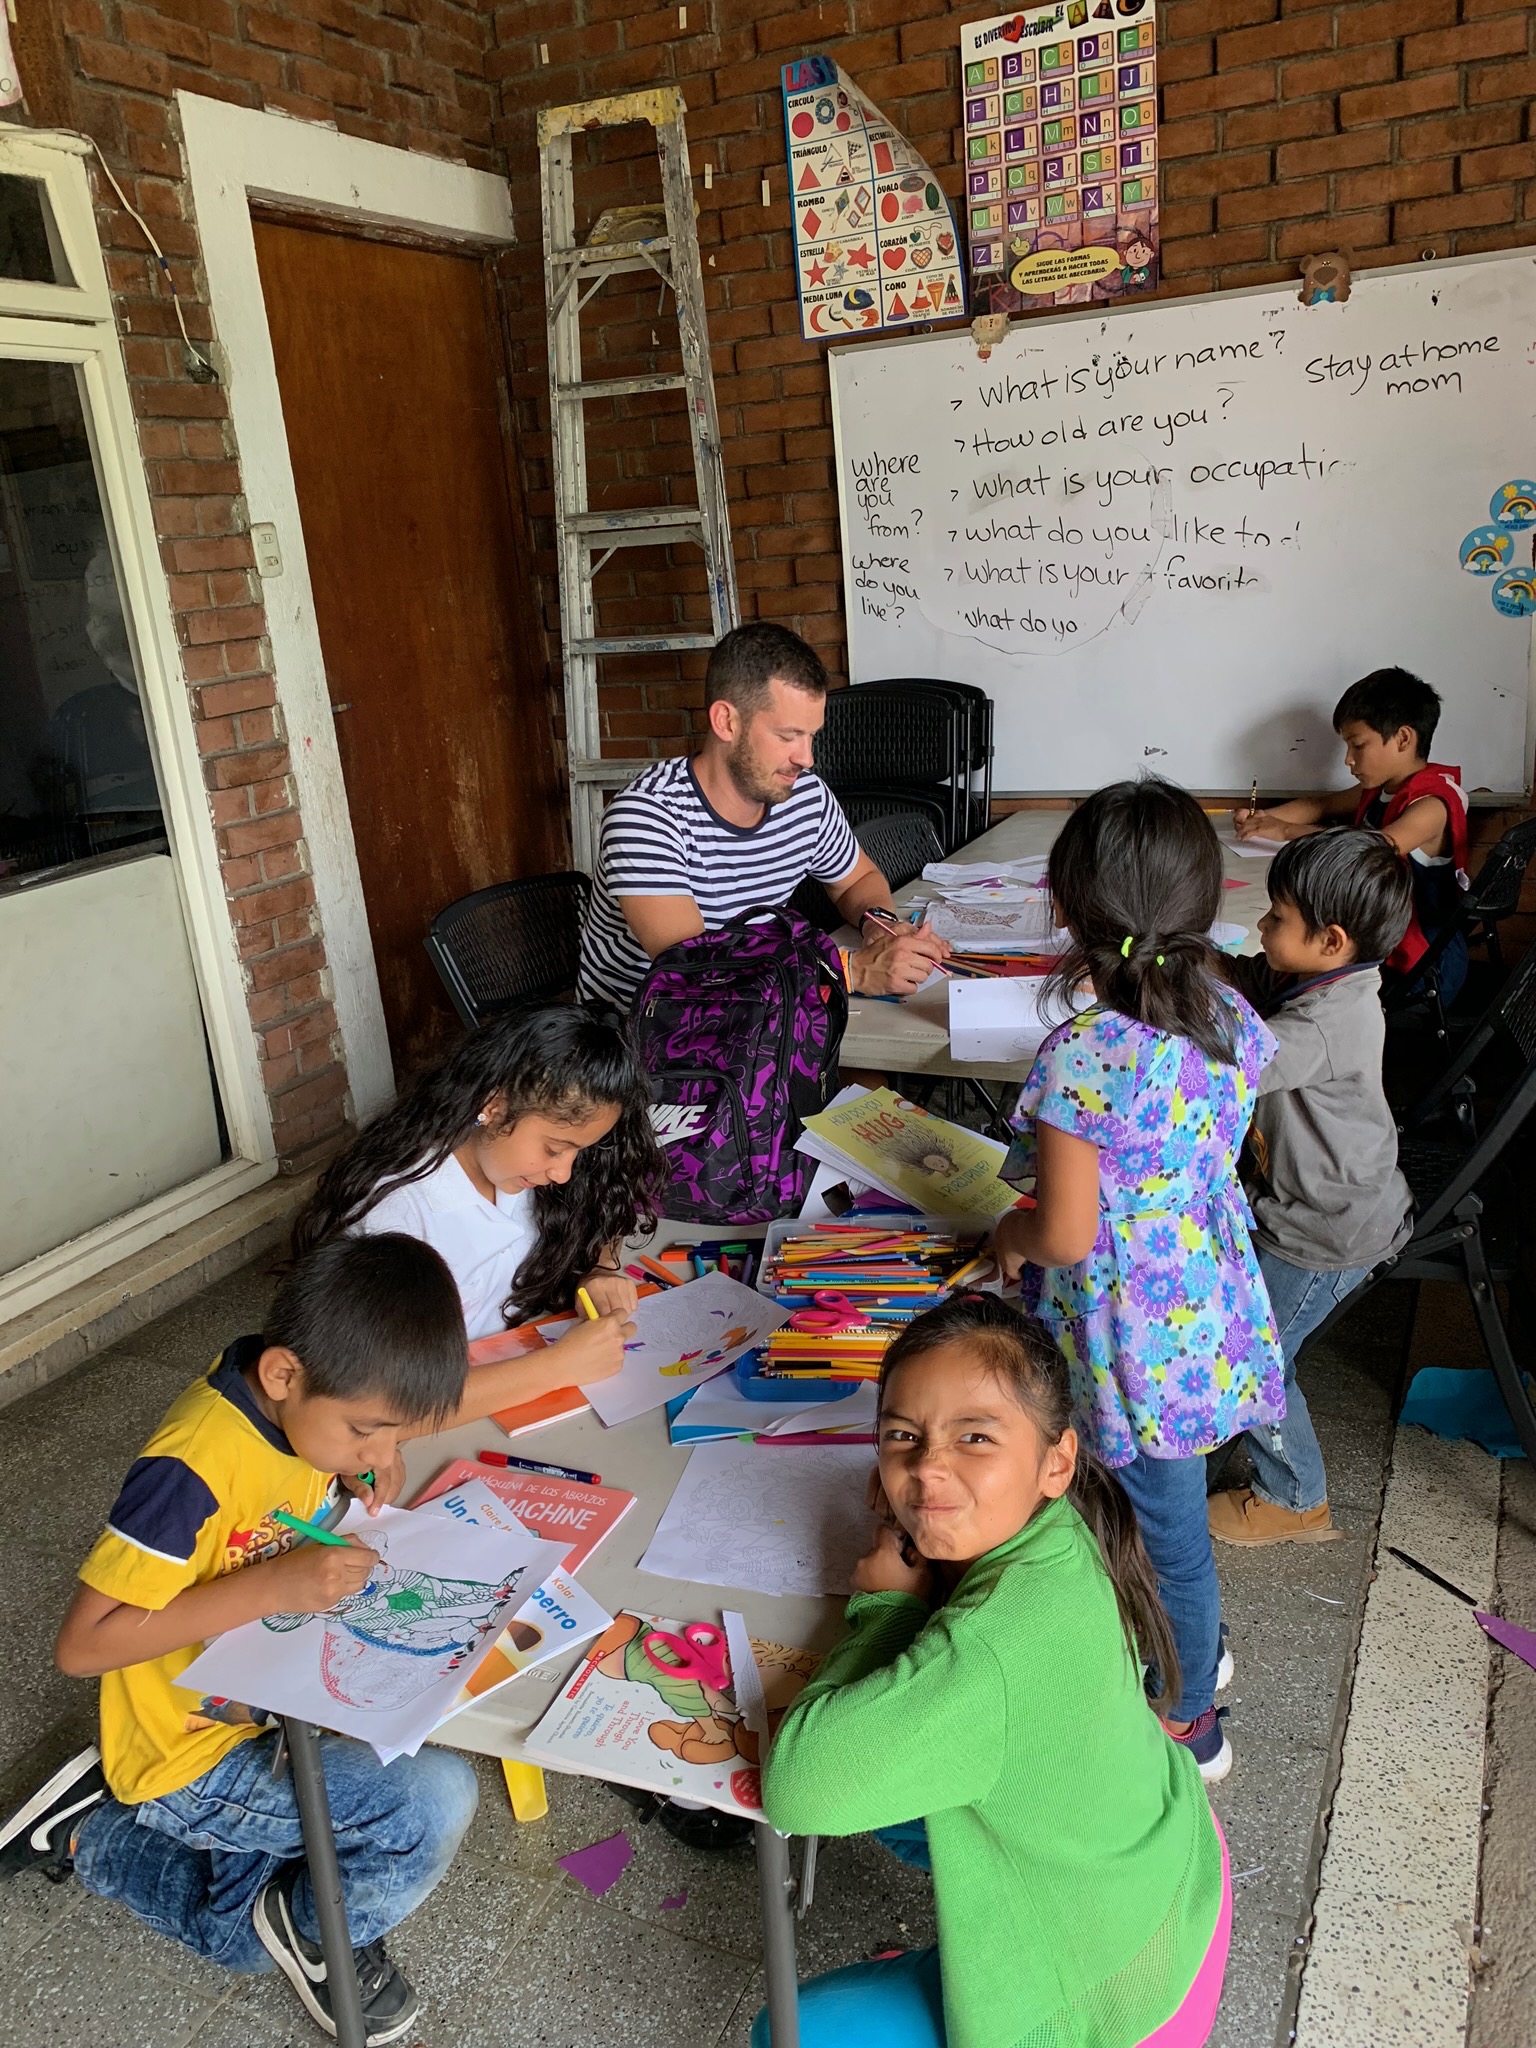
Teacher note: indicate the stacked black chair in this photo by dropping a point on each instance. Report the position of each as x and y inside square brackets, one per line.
[1466, 1197]
[898, 743]
[515, 942]
[901, 844]
[1493, 896]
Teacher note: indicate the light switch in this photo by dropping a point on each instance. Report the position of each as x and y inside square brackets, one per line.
[269, 556]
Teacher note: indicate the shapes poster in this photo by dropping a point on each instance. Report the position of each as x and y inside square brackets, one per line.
[1060, 112]
[876, 244]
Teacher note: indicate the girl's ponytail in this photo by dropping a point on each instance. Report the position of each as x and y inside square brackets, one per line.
[1019, 1350]
[1136, 875]
[1105, 1506]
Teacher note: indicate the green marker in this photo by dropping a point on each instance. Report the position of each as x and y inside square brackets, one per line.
[310, 1529]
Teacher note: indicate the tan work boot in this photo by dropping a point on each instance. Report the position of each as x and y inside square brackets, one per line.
[1241, 1517]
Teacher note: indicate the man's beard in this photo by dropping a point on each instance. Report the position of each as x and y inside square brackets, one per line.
[753, 781]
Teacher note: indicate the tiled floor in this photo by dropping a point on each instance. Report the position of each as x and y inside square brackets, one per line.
[509, 1949]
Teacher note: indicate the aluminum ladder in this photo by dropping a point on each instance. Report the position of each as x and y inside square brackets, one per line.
[586, 539]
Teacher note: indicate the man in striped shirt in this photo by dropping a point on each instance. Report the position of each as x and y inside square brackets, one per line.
[691, 843]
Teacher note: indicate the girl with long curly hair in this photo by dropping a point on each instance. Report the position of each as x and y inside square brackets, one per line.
[525, 1159]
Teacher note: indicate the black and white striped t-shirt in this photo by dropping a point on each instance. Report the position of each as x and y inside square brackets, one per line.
[662, 837]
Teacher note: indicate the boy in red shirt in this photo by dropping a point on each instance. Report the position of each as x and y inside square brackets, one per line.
[1387, 721]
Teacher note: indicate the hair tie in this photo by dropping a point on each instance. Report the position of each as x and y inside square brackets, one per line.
[1159, 959]
[1125, 950]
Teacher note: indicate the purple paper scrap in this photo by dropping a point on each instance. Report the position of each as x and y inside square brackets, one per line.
[1521, 1641]
[600, 1865]
[674, 1902]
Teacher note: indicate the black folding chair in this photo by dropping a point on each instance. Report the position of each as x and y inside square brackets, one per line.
[891, 737]
[1493, 896]
[975, 708]
[516, 942]
[1465, 1199]
[861, 806]
[901, 844]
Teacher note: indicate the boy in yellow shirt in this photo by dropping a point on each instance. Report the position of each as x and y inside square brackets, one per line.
[179, 1814]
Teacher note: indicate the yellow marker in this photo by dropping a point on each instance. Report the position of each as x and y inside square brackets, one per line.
[586, 1305]
[525, 1789]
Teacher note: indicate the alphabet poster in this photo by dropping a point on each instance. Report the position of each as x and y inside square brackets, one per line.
[875, 242]
[1060, 108]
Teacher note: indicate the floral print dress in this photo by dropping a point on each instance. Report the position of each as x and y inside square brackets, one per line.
[1166, 1325]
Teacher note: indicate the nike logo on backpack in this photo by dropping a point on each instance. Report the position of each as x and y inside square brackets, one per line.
[671, 1122]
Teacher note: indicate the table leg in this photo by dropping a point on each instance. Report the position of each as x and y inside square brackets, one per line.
[325, 1883]
[776, 1895]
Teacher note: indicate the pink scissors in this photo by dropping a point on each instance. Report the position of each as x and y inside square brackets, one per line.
[829, 1311]
[698, 1653]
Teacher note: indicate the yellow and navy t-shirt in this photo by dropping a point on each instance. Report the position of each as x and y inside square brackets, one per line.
[197, 1503]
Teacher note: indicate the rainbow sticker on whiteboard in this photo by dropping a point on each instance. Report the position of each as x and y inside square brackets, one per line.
[1515, 593]
[1513, 505]
[1486, 550]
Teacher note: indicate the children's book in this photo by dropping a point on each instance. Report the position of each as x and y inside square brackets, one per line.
[654, 1704]
[554, 1406]
[564, 1511]
[942, 1168]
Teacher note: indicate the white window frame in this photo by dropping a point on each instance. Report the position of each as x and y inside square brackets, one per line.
[74, 325]
[234, 155]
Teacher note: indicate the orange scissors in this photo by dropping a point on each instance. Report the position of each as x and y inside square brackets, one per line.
[698, 1653]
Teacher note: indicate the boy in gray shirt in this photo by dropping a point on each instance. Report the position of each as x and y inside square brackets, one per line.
[1328, 1199]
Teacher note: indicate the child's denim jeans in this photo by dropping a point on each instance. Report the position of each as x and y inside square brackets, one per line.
[191, 1864]
[1287, 1459]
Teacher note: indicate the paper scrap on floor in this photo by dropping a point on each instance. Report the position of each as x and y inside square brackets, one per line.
[385, 1663]
[1003, 1021]
[626, 1718]
[944, 1170]
[683, 1336]
[782, 1520]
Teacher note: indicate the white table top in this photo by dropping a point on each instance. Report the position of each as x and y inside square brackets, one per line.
[638, 1456]
[912, 1037]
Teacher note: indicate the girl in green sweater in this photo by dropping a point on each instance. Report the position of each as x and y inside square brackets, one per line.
[990, 1686]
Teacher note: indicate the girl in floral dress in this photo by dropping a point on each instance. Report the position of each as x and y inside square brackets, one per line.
[1137, 1255]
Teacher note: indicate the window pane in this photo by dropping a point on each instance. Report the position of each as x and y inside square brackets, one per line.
[29, 246]
[76, 777]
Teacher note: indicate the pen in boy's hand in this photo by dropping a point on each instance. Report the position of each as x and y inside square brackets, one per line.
[1253, 801]
[312, 1530]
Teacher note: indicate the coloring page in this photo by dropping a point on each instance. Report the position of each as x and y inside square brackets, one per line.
[683, 1336]
[388, 1661]
[771, 1521]
[669, 1721]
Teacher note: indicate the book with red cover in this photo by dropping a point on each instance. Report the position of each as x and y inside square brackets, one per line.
[560, 1510]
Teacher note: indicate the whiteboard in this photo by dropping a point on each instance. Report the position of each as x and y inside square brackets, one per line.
[1168, 537]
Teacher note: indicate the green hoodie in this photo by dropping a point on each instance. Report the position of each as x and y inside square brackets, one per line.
[1076, 1870]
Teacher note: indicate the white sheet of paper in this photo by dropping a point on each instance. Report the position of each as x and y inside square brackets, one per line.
[967, 873]
[770, 1520]
[476, 1505]
[384, 1664]
[855, 1412]
[682, 1336]
[1003, 1020]
[1228, 937]
[722, 1408]
[997, 927]
[1255, 849]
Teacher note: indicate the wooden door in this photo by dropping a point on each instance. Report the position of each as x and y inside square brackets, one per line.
[390, 365]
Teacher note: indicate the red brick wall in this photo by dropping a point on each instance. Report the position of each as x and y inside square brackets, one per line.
[406, 72]
[1392, 126]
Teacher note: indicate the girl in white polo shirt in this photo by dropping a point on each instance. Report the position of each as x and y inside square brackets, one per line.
[525, 1159]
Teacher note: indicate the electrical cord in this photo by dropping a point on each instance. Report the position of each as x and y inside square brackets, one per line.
[199, 368]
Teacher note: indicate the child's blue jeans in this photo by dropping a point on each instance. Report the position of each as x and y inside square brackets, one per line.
[1287, 1459]
[191, 1864]
[1168, 1495]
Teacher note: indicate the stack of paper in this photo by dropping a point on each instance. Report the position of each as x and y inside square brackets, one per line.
[973, 925]
[1002, 1021]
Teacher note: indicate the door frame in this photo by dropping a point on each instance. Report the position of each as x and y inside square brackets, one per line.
[235, 155]
[76, 325]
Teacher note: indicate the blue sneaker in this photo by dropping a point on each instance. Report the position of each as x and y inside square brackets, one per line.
[1206, 1739]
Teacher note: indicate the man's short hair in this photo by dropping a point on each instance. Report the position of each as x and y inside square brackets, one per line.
[1353, 878]
[749, 658]
[375, 1317]
[1388, 699]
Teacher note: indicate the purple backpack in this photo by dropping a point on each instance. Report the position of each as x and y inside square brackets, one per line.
[739, 1030]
